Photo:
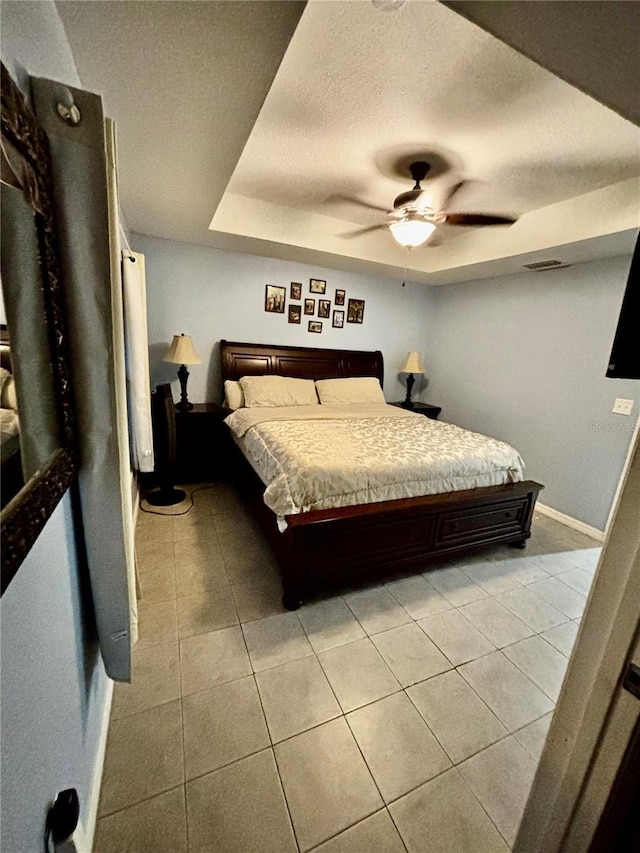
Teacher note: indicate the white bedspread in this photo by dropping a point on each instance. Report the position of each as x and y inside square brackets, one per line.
[321, 457]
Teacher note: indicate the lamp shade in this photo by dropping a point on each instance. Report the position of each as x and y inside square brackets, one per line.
[413, 364]
[411, 232]
[182, 351]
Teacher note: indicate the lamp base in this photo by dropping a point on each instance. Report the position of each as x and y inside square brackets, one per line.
[166, 496]
[183, 375]
[407, 400]
[184, 406]
[407, 404]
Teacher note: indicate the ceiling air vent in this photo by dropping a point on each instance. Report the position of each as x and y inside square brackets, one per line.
[540, 266]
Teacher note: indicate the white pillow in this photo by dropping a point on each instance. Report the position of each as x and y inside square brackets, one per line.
[275, 391]
[9, 397]
[356, 390]
[233, 395]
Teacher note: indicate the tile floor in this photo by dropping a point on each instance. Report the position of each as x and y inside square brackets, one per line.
[405, 716]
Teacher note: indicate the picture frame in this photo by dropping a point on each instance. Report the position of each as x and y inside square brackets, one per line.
[355, 311]
[274, 299]
[340, 297]
[295, 314]
[324, 308]
[295, 290]
[315, 326]
[338, 320]
[309, 306]
[317, 285]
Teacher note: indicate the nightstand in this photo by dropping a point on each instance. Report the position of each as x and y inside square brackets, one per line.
[425, 409]
[200, 443]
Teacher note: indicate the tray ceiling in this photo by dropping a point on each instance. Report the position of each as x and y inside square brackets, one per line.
[355, 92]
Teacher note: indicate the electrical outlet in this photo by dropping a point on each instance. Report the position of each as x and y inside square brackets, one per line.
[622, 407]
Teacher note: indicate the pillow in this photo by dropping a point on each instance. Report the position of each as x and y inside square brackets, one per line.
[4, 375]
[9, 397]
[233, 395]
[357, 390]
[271, 391]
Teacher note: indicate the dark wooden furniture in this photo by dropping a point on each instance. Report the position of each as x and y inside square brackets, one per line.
[329, 546]
[425, 409]
[200, 437]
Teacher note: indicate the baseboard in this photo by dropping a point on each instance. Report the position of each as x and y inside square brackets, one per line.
[569, 521]
[85, 833]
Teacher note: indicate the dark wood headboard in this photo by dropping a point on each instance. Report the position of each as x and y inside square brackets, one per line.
[239, 360]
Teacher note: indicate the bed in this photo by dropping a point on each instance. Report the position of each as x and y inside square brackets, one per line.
[322, 547]
[10, 461]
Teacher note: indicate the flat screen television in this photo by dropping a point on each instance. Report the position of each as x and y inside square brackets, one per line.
[624, 362]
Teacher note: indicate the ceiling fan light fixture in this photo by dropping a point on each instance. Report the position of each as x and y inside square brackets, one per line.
[411, 232]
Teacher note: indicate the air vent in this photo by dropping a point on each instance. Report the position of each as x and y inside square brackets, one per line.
[540, 266]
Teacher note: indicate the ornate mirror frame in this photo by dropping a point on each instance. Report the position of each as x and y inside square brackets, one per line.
[24, 517]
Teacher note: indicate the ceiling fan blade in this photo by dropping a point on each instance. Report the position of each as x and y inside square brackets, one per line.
[349, 235]
[477, 219]
[354, 200]
[446, 201]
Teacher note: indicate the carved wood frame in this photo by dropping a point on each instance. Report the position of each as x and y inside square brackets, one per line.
[24, 517]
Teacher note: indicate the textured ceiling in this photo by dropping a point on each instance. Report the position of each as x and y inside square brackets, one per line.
[358, 90]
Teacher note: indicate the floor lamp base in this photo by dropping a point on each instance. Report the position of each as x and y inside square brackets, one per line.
[166, 497]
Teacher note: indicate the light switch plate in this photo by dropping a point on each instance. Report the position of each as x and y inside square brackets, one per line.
[622, 407]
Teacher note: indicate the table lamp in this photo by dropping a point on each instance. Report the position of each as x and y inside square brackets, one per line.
[412, 365]
[182, 352]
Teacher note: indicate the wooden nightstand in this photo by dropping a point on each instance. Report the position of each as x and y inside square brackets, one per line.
[425, 409]
[200, 442]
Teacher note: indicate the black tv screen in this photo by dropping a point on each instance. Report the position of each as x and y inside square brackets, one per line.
[624, 362]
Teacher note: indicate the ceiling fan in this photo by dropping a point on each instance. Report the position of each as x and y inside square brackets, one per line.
[412, 220]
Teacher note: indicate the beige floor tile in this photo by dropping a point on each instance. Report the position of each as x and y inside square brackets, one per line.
[153, 528]
[196, 578]
[209, 659]
[410, 654]
[399, 749]
[155, 680]
[221, 725]
[501, 777]
[554, 561]
[143, 757]
[456, 637]
[246, 560]
[157, 825]
[563, 637]
[443, 816]
[204, 552]
[275, 640]
[357, 674]
[195, 527]
[493, 576]
[523, 570]
[543, 664]
[538, 614]
[577, 579]
[512, 697]
[157, 624]
[376, 833]
[201, 614]
[562, 597]
[316, 790]
[239, 809]
[418, 597]
[377, 610]
[455, 586]
[496, 622]
[157, 585]
[533, 736]
[258, 599]
[296, 696]
[456, 715]
[586, 559]
[154, 556]
[329, 623]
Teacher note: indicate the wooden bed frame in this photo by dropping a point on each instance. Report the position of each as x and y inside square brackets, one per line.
[332, 546]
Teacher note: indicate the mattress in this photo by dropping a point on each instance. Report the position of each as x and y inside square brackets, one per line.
[323, 457]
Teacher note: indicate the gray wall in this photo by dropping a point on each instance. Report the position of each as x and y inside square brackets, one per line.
[53, 682]
[523, 358]
[212, 294]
